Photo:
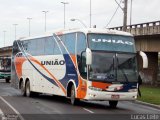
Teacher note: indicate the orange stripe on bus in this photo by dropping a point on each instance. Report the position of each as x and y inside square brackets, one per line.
[18, 64]
[100, 85]
[82, 88]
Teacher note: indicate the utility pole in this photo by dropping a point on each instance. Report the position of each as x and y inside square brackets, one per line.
[125, 15]
[90, 13]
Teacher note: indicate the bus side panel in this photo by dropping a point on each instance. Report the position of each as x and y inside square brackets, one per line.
[44, 75]
[82, 88]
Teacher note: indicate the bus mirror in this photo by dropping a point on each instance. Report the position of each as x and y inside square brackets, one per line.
[88, 56]
[145, 59]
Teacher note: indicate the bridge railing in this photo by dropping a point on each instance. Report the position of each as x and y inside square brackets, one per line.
[149, 28]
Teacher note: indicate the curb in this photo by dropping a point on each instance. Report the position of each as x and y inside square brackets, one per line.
[148, 104]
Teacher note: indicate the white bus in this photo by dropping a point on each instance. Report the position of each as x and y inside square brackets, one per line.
[81, 64]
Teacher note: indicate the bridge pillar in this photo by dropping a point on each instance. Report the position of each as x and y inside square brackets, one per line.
[149, 75]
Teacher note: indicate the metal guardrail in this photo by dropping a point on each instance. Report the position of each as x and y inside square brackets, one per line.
[148, 28]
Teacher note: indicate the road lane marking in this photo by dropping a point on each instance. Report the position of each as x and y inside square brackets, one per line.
[2, 116]
[88, 110]
[12, 108]
[1, 113]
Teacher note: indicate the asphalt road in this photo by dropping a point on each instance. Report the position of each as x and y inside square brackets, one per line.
[56, 108]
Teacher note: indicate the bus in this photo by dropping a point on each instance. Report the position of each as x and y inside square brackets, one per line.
[81, 64]
[5, 68]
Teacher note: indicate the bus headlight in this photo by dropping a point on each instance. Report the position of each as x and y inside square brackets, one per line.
[94, 88]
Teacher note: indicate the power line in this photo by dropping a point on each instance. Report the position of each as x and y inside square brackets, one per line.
[113, 14]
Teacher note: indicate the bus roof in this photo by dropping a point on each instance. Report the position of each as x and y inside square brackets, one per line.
[85, 30]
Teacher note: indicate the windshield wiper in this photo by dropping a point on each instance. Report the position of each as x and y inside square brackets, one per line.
[122, 70]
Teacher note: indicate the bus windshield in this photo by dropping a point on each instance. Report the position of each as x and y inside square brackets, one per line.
[112, 67]
[109, 42]
[113, 58]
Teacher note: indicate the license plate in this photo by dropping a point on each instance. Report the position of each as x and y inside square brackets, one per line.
[115, 96]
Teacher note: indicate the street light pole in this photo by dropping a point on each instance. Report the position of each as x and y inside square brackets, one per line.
[64, 3]
[90, 13]
[45, 12]
[131, 13]
[4, 37]
[73, 19]
[15, 25]
[29, 20]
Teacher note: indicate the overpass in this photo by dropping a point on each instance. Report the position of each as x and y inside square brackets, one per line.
[147, 39]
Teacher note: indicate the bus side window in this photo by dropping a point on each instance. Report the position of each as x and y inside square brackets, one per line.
[49, 46]
[32, 47]
[70, 42]
[40, 46]
[81, 57]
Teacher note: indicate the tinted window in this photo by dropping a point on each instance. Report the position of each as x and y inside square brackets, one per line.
[69, 42]
[40, 46]
[49, 46]
[81, 43]
[56, 48]
[81, 55]
[108, 42]
[32, 47]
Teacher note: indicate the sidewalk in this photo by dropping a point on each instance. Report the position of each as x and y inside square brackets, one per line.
[148, 104]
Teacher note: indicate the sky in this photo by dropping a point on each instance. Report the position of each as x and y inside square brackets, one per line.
[17, 12]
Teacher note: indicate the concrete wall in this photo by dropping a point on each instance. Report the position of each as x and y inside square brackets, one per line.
[149, 75]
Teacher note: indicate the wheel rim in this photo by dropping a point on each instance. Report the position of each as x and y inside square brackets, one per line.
[22, 88]
[72, 95]
[27, 89]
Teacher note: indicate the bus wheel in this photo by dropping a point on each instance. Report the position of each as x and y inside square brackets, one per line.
[113, 104]
[28, 91]
[7, 80]
[23, 91]
[73, 99]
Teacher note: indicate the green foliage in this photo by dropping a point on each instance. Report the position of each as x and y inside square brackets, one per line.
[150, 94]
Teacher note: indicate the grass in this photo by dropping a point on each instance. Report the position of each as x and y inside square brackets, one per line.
[150, 94]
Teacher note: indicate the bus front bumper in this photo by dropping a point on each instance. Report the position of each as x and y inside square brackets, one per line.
[105, 96]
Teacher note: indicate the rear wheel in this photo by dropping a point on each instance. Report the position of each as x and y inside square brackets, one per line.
[113, 104]
[23, 90]
[73, 99]
[28, 91]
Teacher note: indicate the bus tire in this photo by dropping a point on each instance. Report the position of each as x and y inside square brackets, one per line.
[73, 99]
[7, 80]
[22, 87]
[28, 90]
[113, 104]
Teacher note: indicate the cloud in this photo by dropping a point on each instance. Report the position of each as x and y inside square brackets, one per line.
[17, 11]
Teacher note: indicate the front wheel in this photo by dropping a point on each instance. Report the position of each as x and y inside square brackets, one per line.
[73, 99]
[113, 104]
